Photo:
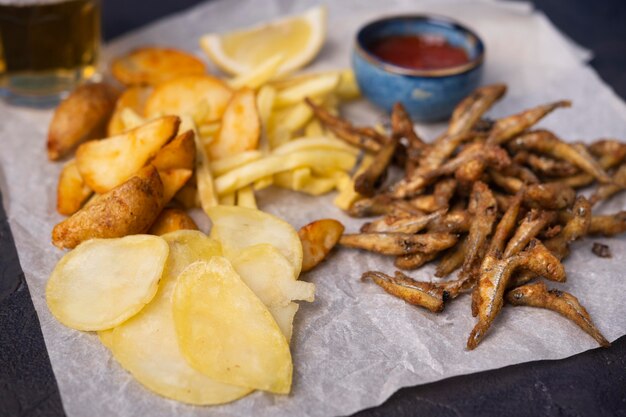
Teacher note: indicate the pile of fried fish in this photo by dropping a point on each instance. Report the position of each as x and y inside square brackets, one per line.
[495, 200]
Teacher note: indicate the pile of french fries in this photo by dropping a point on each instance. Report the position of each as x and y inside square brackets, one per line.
[177, 138]
[493, 199]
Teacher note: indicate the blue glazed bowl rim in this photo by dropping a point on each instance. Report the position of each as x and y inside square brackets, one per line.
[433, 18]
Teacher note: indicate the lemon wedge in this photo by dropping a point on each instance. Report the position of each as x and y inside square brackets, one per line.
[297, 39]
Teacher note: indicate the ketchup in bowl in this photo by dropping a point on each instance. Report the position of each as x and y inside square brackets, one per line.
[420, 52]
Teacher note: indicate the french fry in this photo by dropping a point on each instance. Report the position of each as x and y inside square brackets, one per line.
[245, 197]
[347, 89]
[320, 143]
[229, 199]
[72, 191]
[240, 128]
[222, 166]
[260, 75]
[318, 86]
[204, 179]
[292, 118]
[347, 195]
[264, 103]
[274, 164]
[313, 129]
[263, 183]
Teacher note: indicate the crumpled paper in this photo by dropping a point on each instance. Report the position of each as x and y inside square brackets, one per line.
[355, 345]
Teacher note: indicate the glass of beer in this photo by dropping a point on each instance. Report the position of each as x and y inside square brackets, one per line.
[46, 48]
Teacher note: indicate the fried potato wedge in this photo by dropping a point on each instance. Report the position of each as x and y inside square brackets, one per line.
[226, 332]
[171, 220]
[125, 210]
[107, 163]
[318, 238]
[238, 228]
[72, 191]
[102, 283]
[146, 345]
[81, 116]
[154, 65]
[241, 126]
[179, 153]
[271, 277]
[133, 98]
[173, 180]
[185, 95]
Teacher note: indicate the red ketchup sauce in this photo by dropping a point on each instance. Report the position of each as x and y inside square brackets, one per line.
[420, 52]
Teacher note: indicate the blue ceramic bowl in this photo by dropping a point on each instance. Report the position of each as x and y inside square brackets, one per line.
[428, 95]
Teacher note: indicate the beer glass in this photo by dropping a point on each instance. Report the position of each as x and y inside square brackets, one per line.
[46, 48]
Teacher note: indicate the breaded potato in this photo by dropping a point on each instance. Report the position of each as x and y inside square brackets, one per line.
[81, 116]
[240, 129]
[72, 191]
[184, 95]
[180, 153]
[125, 210]
[107, 163]
[133, 98]
[171, 220]
[154, 65]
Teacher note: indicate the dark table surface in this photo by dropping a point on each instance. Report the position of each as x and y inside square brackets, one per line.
[592, 383]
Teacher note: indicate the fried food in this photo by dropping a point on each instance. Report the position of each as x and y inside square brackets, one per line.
[107, 163]
[186, 95]
[507, 128]
[469, 111]
[537, 295]
[179, 153]
[422, 294]
[102, 283]
[546, 142]
[399, 243]
[133, 98]
[318, 238]
[532, 224]
[494, 277]
[575, 228]
[414, 260]
[606, 191]
[171, 220]
[367, 182]
[128, 209]
[601, 250]
[226, 332]
[608, 225]
[83, 115]
[238, 228]
[452, 260]
[402, 127]
[154, 65]
[546, 166]
[549, 196]
[401, 224]
[240, 128]
[72, 191]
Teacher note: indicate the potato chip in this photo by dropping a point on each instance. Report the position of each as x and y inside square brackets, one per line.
[104, 282]
[238, 228]
[154, 65]
[182, 96]
[271, 277]
[146, 345]
[226, 332]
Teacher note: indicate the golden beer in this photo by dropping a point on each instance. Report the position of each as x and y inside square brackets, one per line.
[46, 47]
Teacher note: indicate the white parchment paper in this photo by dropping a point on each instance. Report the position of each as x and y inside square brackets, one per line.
[355, 345]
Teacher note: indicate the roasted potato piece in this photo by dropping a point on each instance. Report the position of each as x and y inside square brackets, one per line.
[95, 288]
[154, 65]
[72, 191]
[226, 332]
[185, 95]
[107, 163]
[127, 209]
[171, 220]
[81, 116]
[180, 153]
[240, 127]
[318, 238]
[133, 98]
